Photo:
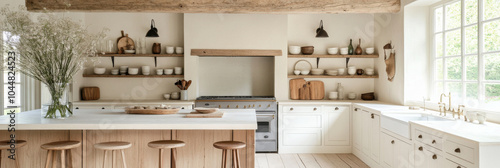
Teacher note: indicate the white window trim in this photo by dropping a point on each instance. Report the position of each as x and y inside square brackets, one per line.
[481, 74]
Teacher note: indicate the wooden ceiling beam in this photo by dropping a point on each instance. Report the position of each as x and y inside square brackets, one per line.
[220, 6]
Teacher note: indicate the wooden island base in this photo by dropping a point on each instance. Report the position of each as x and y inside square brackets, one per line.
[198, 152]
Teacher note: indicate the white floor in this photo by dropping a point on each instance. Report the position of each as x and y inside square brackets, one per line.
[308, 161]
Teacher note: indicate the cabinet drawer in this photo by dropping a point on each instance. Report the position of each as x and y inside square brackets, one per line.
[428, 139]
[302, 137]
[459, 150]
[291, 109]
[302, 121]
[452, 164]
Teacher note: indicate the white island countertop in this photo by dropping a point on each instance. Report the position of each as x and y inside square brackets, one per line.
[233, 119]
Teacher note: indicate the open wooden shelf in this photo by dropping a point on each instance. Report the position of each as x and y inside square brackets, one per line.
[140, 55]
[329, 76]
[332, 56]
[133, 76]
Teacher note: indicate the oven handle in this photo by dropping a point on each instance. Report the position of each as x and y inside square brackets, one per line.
[266, 115]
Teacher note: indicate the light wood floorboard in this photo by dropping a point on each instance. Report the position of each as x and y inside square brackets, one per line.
[308, 161]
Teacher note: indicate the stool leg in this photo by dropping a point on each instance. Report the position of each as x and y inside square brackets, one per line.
[17, 159]
[104, 160]
[172, 158]
[70, 158]
[123, 159]
[113, 158]
[161, 158]
[224, 156]
[63, 159]
[238, 158]
[49, 157]
[233, 154]
[0, 158]
[54, 160]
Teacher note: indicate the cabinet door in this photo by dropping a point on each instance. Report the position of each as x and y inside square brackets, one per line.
[302, 137]
[337, 126]
[365, 136]
[300, 120]
[357, 129]
[374, 138]
[387, 150]
[424, 158]
[435, 160]
[402, 154]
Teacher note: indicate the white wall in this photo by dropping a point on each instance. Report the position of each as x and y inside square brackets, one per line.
[340, 28]
[234, 31]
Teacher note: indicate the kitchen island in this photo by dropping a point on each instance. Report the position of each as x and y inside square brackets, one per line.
[91, 126]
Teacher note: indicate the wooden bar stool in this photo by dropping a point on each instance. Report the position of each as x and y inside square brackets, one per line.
[167, 144]
[4, 145]
[113, 146]
[233, 146]
[64, 147]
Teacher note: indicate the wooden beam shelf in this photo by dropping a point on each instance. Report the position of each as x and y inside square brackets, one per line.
[333, 56]
[132, 76]
[235, 52]
[141, 55]
[329, 76]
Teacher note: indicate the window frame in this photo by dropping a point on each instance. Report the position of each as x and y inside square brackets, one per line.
[481, 81]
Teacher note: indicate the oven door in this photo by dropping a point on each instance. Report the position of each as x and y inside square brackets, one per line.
[266, 135]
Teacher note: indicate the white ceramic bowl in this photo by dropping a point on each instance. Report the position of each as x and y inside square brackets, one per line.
[296, 72]
[115, 71]
[333, 51]
[99, 71]
[304, 72]
[341, 71]
[166, 96]
[317, 71]
[344, 51]
[351, 96]
[129, 51]
[369, 50]
[369, 73]
[133, 71]
[294, 49]
[159, 71]
[332, 72]
[168, 71]
[333, 95]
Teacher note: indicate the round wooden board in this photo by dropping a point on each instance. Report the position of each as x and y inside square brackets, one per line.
[206, 110]
[151, 111]
[122, 43]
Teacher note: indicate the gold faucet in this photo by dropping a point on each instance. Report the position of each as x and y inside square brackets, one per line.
[443, 105]
[460, 111]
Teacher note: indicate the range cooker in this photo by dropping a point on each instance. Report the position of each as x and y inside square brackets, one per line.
[266, 135]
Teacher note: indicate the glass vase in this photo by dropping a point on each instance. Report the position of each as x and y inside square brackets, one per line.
[59, 106]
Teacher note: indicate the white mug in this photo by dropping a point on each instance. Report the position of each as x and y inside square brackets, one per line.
[179, 50]
[146, 70]
[169, 49]
[159, 71]
[178, 70]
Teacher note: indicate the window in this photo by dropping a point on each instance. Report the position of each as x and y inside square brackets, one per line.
[466, 51]
[6, 105]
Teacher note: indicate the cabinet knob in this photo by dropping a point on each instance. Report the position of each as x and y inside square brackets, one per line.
[373, 116]
[237, 106]
[102, 108]
[227, 106]
[433, 141]
[459, 167]
[291, 109]
[420, 148]
[219, 106]
[457, 150]
[420, 136]
[315, 108]
[245, 106]
[266, 136]
[392, 142]
[260, 105]
[77, 108]
[336, 108]
[268, 105]
[434, 156]
[355, 109]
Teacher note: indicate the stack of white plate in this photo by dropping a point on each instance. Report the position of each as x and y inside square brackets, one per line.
[332, 72]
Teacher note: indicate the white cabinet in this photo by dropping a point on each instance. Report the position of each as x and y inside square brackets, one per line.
[427, 157]
[337, 130]
[367, 133]
[314, 128]
[394, 153]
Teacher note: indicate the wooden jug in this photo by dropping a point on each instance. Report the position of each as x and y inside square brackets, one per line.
[156, 48]
[359, 51]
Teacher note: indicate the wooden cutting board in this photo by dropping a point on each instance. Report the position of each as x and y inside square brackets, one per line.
[304, 92]
[123, 42]
[317, 90]
[295, 85]
[195, 114]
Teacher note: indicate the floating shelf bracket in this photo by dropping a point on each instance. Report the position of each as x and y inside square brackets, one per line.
[156, 62]
[113, 61]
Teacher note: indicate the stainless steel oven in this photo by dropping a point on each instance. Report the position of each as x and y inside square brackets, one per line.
[266, 108]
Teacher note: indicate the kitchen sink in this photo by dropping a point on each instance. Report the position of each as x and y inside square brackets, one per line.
[398, 123]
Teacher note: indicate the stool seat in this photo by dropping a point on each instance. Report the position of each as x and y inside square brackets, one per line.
[6, 144]
[229, 145]
[61, 145]
[114, 145]
[164, 144]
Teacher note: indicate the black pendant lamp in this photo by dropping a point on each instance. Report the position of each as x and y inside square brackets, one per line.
[153, 32]
[320, 32]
